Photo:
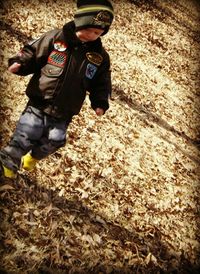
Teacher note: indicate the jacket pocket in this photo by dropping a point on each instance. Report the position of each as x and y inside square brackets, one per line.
[52, 71]
[49, 80]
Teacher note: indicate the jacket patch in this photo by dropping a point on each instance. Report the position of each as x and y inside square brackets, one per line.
[90, 71]
[60, 46]
[57, 58]
[94, 58]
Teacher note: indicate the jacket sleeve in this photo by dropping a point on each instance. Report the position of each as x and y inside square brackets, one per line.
[34, 54]
[101, 85]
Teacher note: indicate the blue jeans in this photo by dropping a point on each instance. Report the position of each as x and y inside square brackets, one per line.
[37, 133]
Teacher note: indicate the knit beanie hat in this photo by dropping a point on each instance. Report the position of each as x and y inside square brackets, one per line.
[94, 14]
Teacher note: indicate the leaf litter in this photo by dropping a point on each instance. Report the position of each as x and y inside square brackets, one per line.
[123, 195]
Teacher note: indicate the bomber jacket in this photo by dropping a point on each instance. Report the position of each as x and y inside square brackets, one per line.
[64, 69]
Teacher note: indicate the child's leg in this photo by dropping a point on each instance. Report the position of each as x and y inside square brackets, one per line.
[28, 131]
[54, 138]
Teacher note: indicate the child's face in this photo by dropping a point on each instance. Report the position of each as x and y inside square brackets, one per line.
[89, 34]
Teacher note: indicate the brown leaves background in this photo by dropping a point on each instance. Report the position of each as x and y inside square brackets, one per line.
[123, 195]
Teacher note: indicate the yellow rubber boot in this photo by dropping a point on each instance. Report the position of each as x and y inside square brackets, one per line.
[28, 162]
[8, 173]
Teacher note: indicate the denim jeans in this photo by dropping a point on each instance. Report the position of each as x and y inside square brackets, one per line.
[37, 133]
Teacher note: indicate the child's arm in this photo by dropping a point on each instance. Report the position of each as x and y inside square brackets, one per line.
[14, 67]
[101, 87]
[32, 56]
[99, 111]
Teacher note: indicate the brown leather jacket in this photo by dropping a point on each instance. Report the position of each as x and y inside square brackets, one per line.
[64, 69]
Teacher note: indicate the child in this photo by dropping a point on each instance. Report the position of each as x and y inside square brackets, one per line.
[65, 63]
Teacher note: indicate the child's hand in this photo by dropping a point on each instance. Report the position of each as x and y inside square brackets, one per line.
[14, 67]
[99, 111]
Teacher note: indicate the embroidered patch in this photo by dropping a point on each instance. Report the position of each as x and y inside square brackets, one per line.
[90, 71]
[57, 58]
[103, 19]
[94, 58]
[60, 46]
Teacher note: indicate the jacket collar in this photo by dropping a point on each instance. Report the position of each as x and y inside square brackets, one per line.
[73, 41]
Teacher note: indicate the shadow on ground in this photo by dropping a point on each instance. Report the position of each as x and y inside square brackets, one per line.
[29, 190]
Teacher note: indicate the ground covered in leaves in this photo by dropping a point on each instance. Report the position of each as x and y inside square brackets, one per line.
[123, 195]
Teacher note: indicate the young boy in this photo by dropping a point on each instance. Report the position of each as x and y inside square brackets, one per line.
[65, 65]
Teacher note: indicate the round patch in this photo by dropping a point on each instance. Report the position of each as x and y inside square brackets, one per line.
[60, 46]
